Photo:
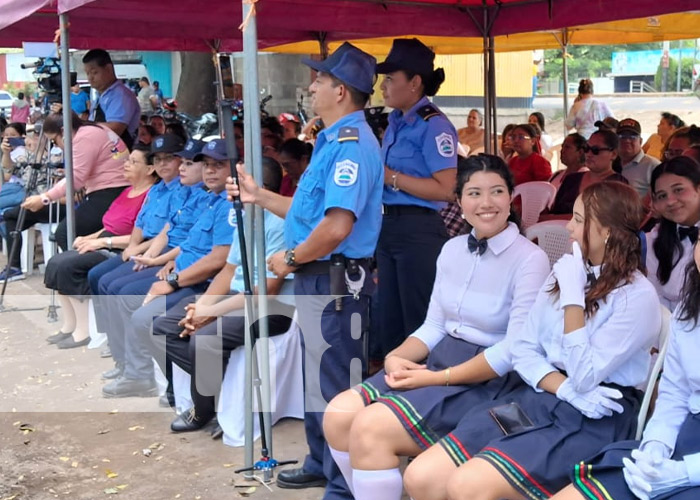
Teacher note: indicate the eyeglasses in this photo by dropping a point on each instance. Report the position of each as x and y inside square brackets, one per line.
[627, 137]
[519, 137]
[595, 149]
[163, 159]
[673, 153]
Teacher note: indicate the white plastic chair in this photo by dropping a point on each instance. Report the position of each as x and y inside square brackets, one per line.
[552, 237]
[534, 197]
[286, 386]
[29, 244]
[655, 371]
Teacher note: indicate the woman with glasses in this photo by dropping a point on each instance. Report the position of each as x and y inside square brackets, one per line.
[529, 165]
[98, 167]
[681, 140]
[600, 153]
[67, 272]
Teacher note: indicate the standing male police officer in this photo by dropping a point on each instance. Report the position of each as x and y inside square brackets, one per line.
[331, 229]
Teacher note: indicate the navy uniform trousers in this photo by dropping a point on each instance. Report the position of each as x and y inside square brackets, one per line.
[332, 342]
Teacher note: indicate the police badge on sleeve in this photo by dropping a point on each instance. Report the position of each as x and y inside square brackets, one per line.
[445, 145]
[345, 173]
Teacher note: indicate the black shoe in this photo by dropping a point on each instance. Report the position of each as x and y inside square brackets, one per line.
[70, 343]
[106, 352]
[297, 479]
[57, 337]
[189, 421]
[115, 372]
[125, 388]
[167, 400]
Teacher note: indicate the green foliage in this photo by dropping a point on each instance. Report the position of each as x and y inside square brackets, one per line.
[588, 61]
[686, 74]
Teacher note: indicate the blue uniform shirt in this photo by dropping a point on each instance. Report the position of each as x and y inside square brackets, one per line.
[155, 211]
[119, 104]
[213, 227]
[418, 143]
[345, 172]
[185, 214]
[78, 102]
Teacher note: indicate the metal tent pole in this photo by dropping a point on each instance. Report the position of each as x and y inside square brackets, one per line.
[67, 129]
[487, 91]
[564, 42]
[492, 94]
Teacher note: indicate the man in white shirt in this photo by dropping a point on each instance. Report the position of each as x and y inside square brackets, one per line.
[636, 165]
[148, 101]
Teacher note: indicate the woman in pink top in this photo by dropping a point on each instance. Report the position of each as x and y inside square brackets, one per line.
[67, 272]
[98, 167]
[529, 165]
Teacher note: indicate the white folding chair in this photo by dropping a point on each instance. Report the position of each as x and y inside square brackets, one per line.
[534, 197]
[552, 237]
[655, 371]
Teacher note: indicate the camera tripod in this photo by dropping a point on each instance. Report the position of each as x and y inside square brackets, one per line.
[36, 163]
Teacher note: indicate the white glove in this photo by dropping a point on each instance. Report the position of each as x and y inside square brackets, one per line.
[597, 403]
[647, 461]
[665, 477]
[570, 272]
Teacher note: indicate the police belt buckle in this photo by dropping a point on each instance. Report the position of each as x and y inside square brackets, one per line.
[353, 267]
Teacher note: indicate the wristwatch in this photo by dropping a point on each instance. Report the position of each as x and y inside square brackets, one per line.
[45, 200]
[172, 280]
[289, 258]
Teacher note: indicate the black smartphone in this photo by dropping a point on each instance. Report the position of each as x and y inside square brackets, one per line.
[16, 141]
[511, 418]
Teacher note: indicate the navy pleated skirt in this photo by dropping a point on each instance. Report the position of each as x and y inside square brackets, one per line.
[537, 462]
[601, 476]
[428, 413]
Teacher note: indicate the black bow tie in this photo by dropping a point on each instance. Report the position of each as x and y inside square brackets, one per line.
[475, 245]
[688, 232]
[591, 279]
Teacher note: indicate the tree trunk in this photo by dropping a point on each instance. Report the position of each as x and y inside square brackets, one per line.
[196, 93]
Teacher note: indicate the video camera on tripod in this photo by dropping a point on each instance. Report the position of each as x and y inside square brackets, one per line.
[47, 71]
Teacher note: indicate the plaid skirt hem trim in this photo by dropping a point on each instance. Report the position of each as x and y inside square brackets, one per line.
[404, 410]
[515, 474]
[455, 449]
[588, 485]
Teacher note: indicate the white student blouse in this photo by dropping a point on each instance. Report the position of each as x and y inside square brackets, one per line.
[483, 299]
[613, 346]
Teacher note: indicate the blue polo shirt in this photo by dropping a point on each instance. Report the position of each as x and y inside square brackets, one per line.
[213, 227]
[418, 143]
[274, 242]
[157, 207]
[78, 102]
[345, 172]
[184, 215]
[119, 104]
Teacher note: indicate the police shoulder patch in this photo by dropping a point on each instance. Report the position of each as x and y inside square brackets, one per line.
[445, 145]
[427, 112]
[345, 173]
[348, 134]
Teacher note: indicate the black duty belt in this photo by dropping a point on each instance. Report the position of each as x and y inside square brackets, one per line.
[323, 266]
[406, 210]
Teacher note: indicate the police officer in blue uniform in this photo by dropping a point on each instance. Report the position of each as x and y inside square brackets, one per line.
[331, 229]
[419, 151]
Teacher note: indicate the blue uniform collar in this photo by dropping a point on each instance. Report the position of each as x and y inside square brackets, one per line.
[411, 115]
[330, 134]
[173, 183]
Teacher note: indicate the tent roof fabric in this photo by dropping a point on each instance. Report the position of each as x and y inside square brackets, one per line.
[189, 25]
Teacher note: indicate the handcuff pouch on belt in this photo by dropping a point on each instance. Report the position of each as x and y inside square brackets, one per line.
[346, 275]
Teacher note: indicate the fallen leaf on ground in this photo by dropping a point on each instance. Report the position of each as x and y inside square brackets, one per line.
[248, 492]
[136, 428]
[74, 465]
[122, 486]
[106, 460]
[103, 431]
[64, 459]
[26, 428]
[111, 474]
[111, 491]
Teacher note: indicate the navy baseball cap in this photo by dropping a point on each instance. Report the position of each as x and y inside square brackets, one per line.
[215, 149]
[168, 143]
[408, 54]
[191, 149]
[349, 65]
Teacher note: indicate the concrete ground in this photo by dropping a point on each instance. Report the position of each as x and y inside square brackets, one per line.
[60, 439]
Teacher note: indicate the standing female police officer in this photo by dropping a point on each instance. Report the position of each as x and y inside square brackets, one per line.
[420, 161]
[332, 222]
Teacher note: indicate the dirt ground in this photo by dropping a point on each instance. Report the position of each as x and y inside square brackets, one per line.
[60, 439]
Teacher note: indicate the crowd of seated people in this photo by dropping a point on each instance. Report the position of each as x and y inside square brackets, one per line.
[565, 348]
